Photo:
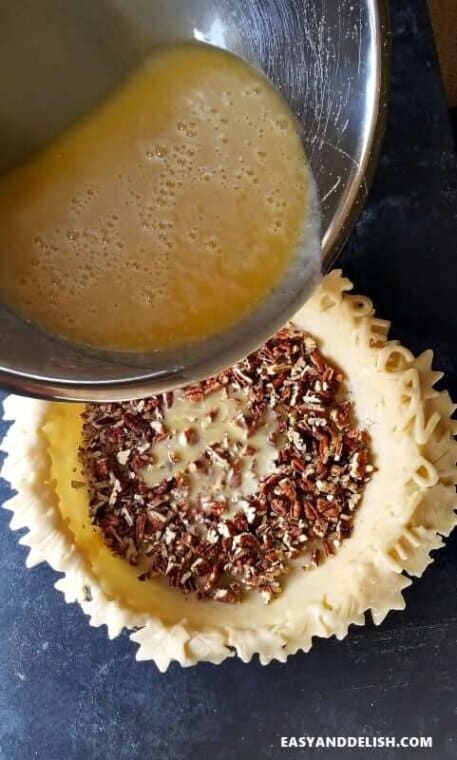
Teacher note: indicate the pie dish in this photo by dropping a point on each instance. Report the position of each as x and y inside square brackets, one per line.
[406, 509]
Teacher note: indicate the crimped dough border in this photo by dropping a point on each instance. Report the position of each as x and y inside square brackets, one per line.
[368, 572]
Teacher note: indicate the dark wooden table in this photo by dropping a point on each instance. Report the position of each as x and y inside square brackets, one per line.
[66, 692]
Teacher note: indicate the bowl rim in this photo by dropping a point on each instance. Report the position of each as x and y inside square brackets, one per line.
[342, 224]
[345, 219]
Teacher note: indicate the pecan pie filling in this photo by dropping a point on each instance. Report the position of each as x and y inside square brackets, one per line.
[224, 486]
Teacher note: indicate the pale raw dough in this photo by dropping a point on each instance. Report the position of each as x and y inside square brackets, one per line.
[406, 509]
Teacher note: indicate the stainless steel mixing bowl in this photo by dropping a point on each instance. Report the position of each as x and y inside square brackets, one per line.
[329, 58]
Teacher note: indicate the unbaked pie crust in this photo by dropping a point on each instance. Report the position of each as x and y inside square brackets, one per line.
[407, 508]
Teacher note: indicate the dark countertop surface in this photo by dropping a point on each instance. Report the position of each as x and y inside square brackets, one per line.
[67, 692]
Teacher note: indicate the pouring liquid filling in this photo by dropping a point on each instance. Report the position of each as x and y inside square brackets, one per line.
[166, 215]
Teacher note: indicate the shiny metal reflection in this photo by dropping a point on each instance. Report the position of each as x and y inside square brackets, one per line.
[330, 60]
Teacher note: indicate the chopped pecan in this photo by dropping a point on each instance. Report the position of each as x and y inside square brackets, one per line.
[182, 526]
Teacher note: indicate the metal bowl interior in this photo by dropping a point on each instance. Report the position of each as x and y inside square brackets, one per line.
[329, 59]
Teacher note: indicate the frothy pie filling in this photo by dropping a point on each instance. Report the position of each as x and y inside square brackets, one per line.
[123, 232]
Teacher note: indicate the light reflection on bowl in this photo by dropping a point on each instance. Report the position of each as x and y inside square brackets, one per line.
[329, 58]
